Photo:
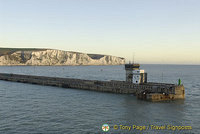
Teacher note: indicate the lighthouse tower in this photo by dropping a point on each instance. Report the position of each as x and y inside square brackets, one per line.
[134, 74]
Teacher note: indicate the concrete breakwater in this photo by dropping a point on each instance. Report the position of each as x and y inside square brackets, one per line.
[146, 91]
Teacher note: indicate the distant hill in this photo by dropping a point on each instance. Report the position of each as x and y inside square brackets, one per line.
[34, 56]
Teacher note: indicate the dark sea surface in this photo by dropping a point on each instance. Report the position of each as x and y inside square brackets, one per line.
[32, 109]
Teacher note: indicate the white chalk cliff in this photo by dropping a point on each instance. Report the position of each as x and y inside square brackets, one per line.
[54, 57]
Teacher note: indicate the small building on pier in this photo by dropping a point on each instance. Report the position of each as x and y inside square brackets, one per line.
[134, 74]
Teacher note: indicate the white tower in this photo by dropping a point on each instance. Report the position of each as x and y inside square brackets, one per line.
[139, 76]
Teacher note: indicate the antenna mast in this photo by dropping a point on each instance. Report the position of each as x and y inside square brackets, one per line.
[133, 58]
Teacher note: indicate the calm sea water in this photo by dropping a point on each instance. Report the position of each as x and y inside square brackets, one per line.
[26, 108]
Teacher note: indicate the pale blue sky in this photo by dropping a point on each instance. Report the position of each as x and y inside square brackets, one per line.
[157, 31]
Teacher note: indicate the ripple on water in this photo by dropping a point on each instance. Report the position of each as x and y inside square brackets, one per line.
[26, 108]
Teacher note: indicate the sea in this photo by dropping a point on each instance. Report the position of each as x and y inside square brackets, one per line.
[36, 109]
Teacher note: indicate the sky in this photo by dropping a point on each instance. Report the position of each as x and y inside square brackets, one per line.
[151, 31]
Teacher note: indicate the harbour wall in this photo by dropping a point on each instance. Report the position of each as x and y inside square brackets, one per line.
[143, 91]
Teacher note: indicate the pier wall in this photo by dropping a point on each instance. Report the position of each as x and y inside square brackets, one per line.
[103, 86]
[149, 91]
